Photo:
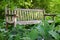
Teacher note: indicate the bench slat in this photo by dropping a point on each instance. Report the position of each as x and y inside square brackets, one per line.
[28, 22]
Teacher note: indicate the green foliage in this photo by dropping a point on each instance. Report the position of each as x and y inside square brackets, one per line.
[33, 34]
[42, 31]
[47, 31]
[54, 34]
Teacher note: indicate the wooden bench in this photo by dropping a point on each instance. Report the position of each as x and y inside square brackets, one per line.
[24, 16]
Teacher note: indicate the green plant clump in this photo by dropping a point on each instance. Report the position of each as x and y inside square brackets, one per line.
[35, 32]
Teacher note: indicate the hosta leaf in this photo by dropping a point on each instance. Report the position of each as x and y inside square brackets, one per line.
[54, 34]
[33, 34]
[40, 29]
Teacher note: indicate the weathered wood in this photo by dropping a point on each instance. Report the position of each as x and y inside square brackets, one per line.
[52, 16]
[10, 15]
[49, 14]
[28, 22]
[50, 21]
[25, 16]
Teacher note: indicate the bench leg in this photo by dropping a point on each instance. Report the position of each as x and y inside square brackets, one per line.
[14, 24]
[6, 25]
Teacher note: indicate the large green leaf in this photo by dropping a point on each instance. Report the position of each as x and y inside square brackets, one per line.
[33, 34]
[40, 29]
[54, 34]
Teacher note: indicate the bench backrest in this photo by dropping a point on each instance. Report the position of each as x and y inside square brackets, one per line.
[25, 14]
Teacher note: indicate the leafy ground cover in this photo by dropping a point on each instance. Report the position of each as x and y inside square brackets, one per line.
[30, 32]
